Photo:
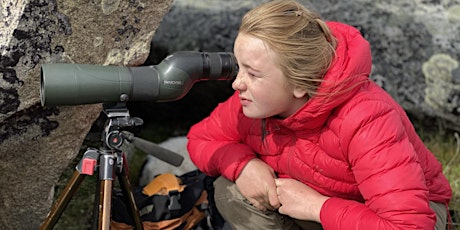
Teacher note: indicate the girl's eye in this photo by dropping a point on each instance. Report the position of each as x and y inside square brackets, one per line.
[252, 74]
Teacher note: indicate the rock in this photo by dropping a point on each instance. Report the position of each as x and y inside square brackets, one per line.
[37, 143]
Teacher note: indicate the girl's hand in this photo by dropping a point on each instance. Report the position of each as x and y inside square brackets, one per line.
[256, 182]
[298, 200]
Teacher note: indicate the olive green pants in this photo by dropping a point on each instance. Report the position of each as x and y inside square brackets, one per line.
[240, 214]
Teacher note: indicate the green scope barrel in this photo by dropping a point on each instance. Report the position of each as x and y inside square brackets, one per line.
[76, 84]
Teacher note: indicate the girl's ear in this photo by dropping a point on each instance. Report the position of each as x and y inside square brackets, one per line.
[299, 93]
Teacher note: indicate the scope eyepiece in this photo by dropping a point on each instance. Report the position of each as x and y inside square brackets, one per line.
[218, 65]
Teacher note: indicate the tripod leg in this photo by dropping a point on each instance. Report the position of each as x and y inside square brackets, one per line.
[63, 200]
[128, 193]
[107, 169]
[105, 204]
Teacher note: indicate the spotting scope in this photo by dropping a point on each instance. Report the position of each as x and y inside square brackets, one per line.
[76, 84]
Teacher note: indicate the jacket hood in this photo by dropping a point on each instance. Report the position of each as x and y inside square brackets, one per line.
[350, 69]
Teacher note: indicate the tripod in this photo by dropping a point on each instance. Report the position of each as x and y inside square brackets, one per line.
[109, 163]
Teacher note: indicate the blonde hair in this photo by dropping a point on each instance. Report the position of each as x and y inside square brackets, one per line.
[302, 41]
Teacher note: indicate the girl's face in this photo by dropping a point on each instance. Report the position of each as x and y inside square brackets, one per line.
[263, 89]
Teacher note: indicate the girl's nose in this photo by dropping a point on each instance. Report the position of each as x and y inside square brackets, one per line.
[238, 83]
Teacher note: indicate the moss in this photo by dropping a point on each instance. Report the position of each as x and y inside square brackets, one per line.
[445, 145]
[439, 84]
[453, 14]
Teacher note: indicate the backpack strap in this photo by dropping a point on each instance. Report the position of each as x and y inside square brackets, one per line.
[185, 222]
[163, 184]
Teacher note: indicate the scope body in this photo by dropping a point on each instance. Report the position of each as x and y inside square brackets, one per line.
[172, 79]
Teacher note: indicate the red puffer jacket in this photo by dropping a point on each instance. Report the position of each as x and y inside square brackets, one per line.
[351, 142]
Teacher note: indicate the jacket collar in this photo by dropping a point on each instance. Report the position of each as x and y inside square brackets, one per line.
[349, 71]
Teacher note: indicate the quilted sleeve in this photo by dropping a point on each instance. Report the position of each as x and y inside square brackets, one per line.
[387, 171]
[214, 144]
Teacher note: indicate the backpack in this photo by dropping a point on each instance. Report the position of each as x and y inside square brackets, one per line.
[170, 202]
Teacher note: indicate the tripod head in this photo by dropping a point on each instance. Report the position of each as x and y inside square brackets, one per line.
[113, 135]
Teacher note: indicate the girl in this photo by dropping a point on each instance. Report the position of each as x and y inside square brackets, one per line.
[308, 141]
